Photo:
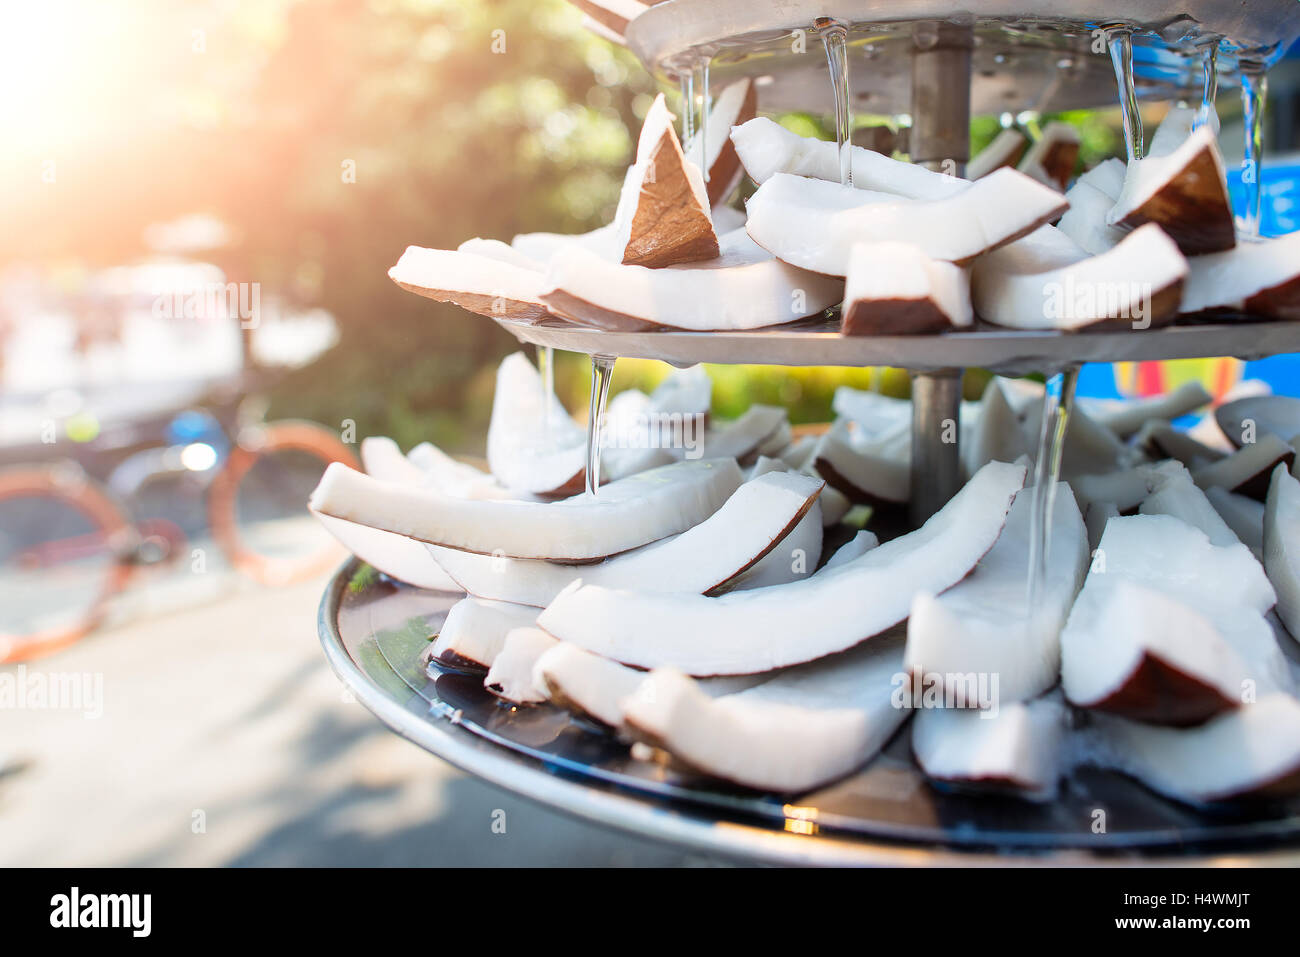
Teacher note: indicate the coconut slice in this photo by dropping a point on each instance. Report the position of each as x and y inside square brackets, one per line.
[474, 631]
[1053, 156]
[1281, 546]
[998, 434]
[813, 224]
[745, 436]
[1018, 748]
[1095, 518]
[833, 503]
[524, 451]
[663, 212]
[1006, 149]
[1181, 187]
[480, 284]
[1251, 751]
[1046, 281]
[857, 546]
[895, 289]
[766, 149]
[1247, 470]
[1127, 416]
[503, 252]
[1160, 440]
[759, 515]
[875, 416]
[803, 728]
[801, 452]
[736, 104]
[744, 287]
[870, 473]
[747, 632]
[982, 625]
[1175, 494]
[383, 458]
[1124, 489]
[684, 392]
[455, 478]
[1244, 421]
[628, 513]
[1090, 448]
[1243, 515]
[511, 675]
[1259, 277]
[542, 247]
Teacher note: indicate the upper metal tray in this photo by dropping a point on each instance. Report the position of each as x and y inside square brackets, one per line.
[1005, 351]
[373, 632]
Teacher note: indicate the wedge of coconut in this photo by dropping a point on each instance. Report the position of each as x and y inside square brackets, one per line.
[542, 247]
[1125, 489]
[504, 252]
[663, 212]
[1160, 440]
[1091, 199]
[634, 511]
[1281, 546]
[750, 524]
[1006, 149]
[998, 434]
[982, 625]
[1244, 516]
[857, 546]
[456, 478]
[744, 287]
[1090, 448]
[474, 631]
[1250, 751]
[1260, 277]
[803, 728]
[1047, 281]
[524, 451]
[1176, 494]
[895, 289]
[795, 556]
[736, 104]
[813, 224]
[1017, 749]
[752, 631]
[865, 472]
[1247, 471]
[1095, 518]
[480, 284]
[1245, 421]
[744, 437]
[875, 416]
[1053, 156]
[511, 675]
[766, 148]
[1181, 187]
[1127, 416]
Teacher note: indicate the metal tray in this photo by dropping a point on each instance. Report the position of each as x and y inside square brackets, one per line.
[373, 632]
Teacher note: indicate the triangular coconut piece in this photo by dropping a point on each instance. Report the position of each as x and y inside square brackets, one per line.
[1018, 748]
[766, 148]
[795, 556]
[455, 477]
[1174, 493]
[1260, 277]
[1160, 440]
[877, 474]
[542, 247]
[875, 415]
[743, 287]
[998, 433]
[511, 675]
[747, 632]
[1046, 281]
[1085, 221]
[1245, 421]
[895, 289]
[805, 727]
[759, 515]
[1005, 149]
[1247, 470]
[502, 252]
[982, 625]
[1180, 186]
[663, 212]
[1253, 751]
[474, 631]
[736, 104]
[813, 224]
[628, 513]
[1053, 156]
[1126, 417]
[1245, 517]
[481, 284]
[742, 438]
[1281, 546]
[524, 451]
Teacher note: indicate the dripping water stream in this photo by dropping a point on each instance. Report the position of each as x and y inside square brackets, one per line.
[688, 105]
[835, 36]
[546, 366]
[1058, 403]
[705, 105]
[1254, 90]
[1209, 83]
[1119, 39]
[602, 371]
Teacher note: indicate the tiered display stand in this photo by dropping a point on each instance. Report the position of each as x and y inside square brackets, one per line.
[919, 58]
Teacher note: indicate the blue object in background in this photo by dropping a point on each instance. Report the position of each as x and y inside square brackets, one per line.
[1280, 204]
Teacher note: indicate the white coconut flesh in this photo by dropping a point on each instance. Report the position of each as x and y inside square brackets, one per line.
[683, 392]
[454, 477]
[748, 632]
[1124, 489]
[1180, 186]
[804, 728]
[876, 473]
[1244, 516]
[474, 631]
[857, 546]
[541, 247]
[833, 503]
[525, 452]
[1005, 149]
[1177, 495]
[1281, 546]
[895, 289]
[1245, 420]
[982, 625]
[631, 512]
[1126, 416]
[874, 415]
[751, 523]
[511, 675]
[383, 458]
[743, 287]
[1161, 440]
[813, 223]
[778, 441]
[482, 284]
[1085, 221]
[1248, 469]
[663, 211]
[1260, 277]
[1052, 157]
[1047, 281]
[998, 433]
[766, 148]
[742, 438]
[504, 252]
[1252, 750]
[1095, 518]
[733, 106]
[800, 452]
[1090, 448]
[1019, 747]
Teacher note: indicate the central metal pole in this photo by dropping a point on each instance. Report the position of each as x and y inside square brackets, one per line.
[939, 140]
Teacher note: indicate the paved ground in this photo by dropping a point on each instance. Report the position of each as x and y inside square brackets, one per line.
[226, 740]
